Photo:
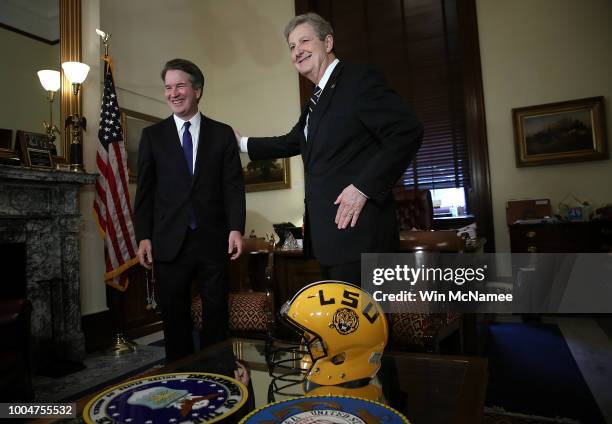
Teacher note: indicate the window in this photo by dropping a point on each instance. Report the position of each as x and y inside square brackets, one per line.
[441, 165]
[449, 202]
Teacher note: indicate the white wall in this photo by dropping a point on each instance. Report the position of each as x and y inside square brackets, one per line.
[536, 52]
[250, 84]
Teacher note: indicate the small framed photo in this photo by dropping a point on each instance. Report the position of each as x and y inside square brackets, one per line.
[34, 148]
[570, 131]
[133, 123]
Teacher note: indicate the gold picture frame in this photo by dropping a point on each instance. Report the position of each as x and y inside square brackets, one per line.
[133, 123]
[570, 131]
[269, 174]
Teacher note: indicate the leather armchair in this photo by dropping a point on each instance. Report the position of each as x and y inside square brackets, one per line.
[414, 209]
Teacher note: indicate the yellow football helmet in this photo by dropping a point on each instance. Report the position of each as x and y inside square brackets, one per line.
[344, 328]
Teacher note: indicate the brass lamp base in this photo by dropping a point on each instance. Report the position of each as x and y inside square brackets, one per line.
[76, 157]
[121, 345]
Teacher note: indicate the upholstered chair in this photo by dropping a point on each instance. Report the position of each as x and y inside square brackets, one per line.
[251, 304]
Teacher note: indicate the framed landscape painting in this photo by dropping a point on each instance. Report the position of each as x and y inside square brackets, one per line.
[133, 123]
[570, 131]
[261, 175]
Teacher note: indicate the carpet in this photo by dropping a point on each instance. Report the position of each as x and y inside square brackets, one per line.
[532, 372]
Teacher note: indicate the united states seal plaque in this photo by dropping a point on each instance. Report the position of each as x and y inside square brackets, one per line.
[168, 398]
[325, 410]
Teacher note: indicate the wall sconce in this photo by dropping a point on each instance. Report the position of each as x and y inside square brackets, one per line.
[50, 81]
[76, 73]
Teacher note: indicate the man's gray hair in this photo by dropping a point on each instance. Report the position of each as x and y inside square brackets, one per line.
[321, 27]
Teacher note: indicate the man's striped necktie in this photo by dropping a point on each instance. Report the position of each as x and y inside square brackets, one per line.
[314, 98]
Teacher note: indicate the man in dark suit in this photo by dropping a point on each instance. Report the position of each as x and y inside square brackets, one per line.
[356, 137]
[189, 210]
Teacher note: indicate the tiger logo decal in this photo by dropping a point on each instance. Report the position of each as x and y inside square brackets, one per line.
[345, 321]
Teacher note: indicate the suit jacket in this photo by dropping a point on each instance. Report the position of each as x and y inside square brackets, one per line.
[166, 190]
[360, 132]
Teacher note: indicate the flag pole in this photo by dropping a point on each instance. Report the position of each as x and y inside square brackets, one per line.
[120, 344]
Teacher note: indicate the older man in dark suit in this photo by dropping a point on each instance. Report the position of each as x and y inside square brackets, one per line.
[189, 209]
[356, 137]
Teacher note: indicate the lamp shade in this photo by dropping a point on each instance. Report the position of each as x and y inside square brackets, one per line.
[76, 72]
[50, 80]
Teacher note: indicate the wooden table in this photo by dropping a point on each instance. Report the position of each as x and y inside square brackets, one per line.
[427, 388]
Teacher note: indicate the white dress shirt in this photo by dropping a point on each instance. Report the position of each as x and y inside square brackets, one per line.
[194, 129]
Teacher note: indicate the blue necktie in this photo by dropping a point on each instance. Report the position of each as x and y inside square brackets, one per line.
[188, 152]
[188, 147]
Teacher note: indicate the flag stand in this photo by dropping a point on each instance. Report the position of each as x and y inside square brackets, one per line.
[116, 302]
[113, 218]
[121, 345]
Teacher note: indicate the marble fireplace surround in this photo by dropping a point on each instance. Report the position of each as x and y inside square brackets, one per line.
[40, 208]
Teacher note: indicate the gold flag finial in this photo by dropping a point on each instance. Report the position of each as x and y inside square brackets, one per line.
[105, 38]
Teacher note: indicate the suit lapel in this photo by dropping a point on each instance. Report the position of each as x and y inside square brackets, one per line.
[322, 104]
[203, 147]
[174, 149]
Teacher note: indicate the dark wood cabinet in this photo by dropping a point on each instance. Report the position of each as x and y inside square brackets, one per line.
[560, 237]
[292, 272]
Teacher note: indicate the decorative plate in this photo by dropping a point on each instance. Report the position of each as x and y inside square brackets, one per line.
[168, 398]
[325, 410]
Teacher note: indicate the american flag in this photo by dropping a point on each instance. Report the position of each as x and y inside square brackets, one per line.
[112, 208]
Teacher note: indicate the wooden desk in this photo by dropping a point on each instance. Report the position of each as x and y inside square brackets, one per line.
[292, 272]
[561, 237]
[434, 389]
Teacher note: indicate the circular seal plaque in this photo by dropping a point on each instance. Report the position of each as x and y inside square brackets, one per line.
[325, 410]
[168, 398]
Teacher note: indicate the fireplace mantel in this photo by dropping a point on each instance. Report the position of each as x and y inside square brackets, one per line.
[40, 209]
